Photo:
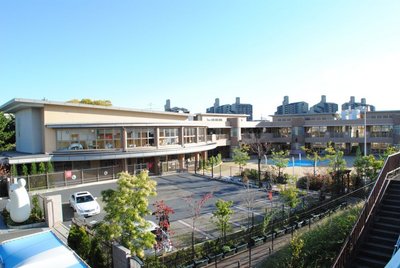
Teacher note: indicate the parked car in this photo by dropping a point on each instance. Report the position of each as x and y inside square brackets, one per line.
[84, 204]
[75, 146]
[163, 243]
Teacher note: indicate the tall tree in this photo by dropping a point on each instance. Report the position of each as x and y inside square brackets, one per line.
[337, 165]
[126, 209]
[42, 168]
[260, 149]
[33, 168]
[280, 159]
[162, 213]
[240, 157]
[195, 207]
[222, 215]
[7, 132]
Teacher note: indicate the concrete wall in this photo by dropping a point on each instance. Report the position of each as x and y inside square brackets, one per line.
[53, 210]
[120, 256]
[29, 130]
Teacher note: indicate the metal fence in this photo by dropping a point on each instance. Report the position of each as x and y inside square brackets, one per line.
[70, 177]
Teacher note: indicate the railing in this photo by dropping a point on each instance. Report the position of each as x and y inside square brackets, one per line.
[396, 247]
[392, 163]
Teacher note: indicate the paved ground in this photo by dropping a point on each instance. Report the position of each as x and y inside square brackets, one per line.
[173, 189]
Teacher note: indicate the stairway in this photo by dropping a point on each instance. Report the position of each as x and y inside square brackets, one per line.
[377, 248]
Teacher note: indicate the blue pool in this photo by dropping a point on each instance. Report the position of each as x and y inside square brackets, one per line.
[307, 163]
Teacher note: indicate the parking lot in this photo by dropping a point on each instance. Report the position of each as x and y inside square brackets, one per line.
[173, 189]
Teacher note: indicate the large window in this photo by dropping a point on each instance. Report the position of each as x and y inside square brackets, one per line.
[202, 134]
[283, 132]
[382, 131]
[140, 137]
[169, 136]
[316, 132]
[88, 139]
[357, 132]
[189, 135]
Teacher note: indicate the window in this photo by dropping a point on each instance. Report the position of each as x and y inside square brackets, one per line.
[189, 135]
[202, 134]
[169, 136]
[88, 139]
[140, 137]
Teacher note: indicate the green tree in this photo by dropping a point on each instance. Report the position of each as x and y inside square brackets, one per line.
[337, 165]
[222, 215]
[290, 195]
[79, 240]
[126, 209]
[7, 132]
[25, 171]
[296, 247]
[92, 102]
[33, 169]
[49, 168]
[36, 212]
[240, 157]
[14, 171]
[96, 257]
[42, 168]
[389, 150]
[280, 159]
[313, 155]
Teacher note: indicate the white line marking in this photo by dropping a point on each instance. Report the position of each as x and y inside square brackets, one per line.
[245, 209]
[197, 230]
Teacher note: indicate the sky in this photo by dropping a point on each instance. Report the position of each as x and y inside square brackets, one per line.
[137, 54]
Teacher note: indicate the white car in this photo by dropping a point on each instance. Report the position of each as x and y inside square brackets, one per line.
[84, 204]
[163, 242]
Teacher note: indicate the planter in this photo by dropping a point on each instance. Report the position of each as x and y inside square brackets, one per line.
[28, 226]
[215, 257]
[231, 252]
[201, 262]
[268, 237]
[280, 232]
[299, 224]
[256, 241]
[241, 247]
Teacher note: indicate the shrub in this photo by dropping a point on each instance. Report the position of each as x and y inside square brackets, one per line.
[78, 240]
[315, 182]
[36, 212]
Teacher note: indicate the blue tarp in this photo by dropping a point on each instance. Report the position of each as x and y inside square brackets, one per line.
[36, 250]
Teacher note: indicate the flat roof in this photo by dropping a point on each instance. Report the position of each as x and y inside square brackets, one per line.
[17, 104]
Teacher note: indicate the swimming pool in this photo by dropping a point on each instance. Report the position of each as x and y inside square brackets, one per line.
[306, 163]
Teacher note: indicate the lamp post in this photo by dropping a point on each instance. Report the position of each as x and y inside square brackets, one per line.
[365, 129]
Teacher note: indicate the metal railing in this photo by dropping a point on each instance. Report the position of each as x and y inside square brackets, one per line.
[392, 164]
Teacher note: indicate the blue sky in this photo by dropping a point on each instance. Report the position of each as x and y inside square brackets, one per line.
[140, 53]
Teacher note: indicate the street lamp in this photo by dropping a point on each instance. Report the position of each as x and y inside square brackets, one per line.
[365, 129]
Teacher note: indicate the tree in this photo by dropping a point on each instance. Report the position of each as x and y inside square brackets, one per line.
[290, 196]
[25, 171]
[91, 102]
[42, 168]
[79, 241]
[49, 168]
[195, 210]
[162, 213]
[280, 160]
[222, 215]
[337, 166]
[260, 149]
[313, 155]
[240, 157]
[7, 132]
[36, 211]
[14, 171]
[96, 257]
[33, 169]
[126, 208]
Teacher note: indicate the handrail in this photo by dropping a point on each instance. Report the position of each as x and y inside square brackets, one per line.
[391, 163]
[396, 247]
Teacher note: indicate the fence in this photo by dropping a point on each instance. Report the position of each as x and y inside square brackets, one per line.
[70, 177]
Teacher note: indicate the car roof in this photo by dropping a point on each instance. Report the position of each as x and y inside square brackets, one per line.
[82, 193]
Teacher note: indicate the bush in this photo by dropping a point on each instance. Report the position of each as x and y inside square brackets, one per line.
[251, 174]
[323, 242]
[282, 179]
[316, 182]
[36, 212]
[79, 241]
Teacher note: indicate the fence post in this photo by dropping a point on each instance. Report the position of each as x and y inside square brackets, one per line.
[47, 180]
[98, 175]
[113, 172]
[81, 176]
[29, 184]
